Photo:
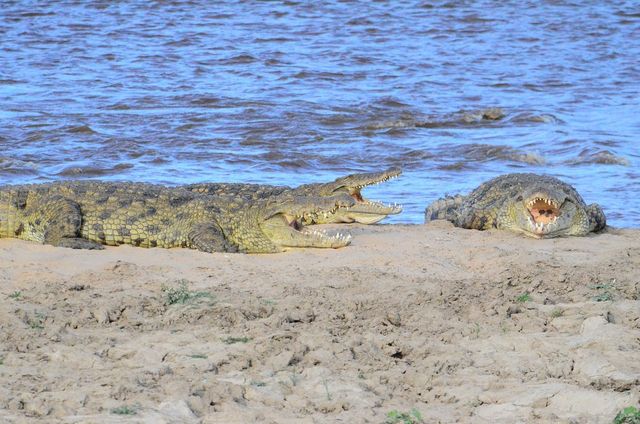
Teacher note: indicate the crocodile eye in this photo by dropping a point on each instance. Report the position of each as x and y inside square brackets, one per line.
[519, 199]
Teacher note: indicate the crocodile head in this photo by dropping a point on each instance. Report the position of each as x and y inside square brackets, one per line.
[545, 211]
[364, 211]
[278, 223]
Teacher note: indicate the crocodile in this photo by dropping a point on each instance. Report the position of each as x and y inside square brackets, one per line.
[90, 214]
[365, 211]
[538, 206]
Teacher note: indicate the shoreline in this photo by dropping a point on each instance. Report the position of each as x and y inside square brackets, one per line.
[460, 325]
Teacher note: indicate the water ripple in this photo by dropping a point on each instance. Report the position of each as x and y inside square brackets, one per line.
[295, 92]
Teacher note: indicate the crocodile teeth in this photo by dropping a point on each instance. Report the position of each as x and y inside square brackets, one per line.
[338, 237]
[549, 202]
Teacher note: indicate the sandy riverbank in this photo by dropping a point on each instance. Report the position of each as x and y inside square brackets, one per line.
[463, 326]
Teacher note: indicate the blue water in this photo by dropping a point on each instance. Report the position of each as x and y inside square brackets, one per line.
[294, 92]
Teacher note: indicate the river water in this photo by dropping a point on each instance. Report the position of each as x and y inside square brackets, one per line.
[295, 92]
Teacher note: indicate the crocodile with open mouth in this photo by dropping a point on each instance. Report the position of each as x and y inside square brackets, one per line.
[90, 214]
[538, 206]
[364, 211]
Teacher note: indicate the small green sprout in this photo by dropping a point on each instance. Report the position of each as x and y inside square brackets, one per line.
[396, 417]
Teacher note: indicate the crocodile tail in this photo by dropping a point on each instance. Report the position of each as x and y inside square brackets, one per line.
[596, 217]
[445, 208]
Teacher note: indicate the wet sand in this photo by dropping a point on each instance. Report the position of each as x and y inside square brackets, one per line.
[462, 326]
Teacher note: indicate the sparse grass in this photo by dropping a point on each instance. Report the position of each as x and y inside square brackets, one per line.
[326, 389]
[294, 378]
[525, 297]
[198, 356]
[603, 297]
[604, 286]
[16, 295]
[476, 330]
[125, 410]
[182, 294]
[233, 340]
[557, 312]
[605, 291]
[258, 383]
[37, 321]
[629, 415]
[396, 417]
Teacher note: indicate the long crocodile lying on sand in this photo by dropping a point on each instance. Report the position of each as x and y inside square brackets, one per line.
[364, 211]
[538, 206]
[88, 214]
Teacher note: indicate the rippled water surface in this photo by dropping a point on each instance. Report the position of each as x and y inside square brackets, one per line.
[295, 92]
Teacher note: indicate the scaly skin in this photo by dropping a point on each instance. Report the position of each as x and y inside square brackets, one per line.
[538, 206]
[88, 214]
[364, 211]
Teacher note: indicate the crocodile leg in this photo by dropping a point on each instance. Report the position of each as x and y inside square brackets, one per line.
[208, 237]
[596, 217]
[78, 243]
[56, 221]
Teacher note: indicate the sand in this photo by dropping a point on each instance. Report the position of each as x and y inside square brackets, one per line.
[446, 324]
